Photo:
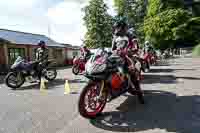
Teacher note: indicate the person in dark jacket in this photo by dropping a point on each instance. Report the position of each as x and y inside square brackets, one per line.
[41, 57]
[42, 52]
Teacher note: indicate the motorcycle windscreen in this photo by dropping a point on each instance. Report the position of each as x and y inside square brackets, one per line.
[17, 62]
[96, 65]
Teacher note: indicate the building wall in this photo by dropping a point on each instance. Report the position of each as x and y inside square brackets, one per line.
[70, 53]
[54, 53]
[57, 54]
[3, 65]
[2, 55]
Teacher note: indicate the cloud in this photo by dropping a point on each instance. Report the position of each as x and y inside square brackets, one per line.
[65, 13]
[64, 18]
[66, 21]
[25, 15]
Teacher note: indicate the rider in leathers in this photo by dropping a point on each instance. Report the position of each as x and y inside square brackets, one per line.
[121, 30]
[41, 57]
[85, 52]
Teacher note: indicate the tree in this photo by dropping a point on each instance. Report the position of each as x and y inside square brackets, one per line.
[158, 6]
[189, 31]
[161, 29]
[164, 23]
[98, 23]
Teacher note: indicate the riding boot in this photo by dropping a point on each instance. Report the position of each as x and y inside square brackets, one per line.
[139, 91]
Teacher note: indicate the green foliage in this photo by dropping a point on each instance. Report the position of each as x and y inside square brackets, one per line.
[98, 23]
[121, 7]
[196, 51]
[158, 6]
[161, 29]
[153, 7]
[189, 30]
[196, 8]
[165, 24]
[171, 4]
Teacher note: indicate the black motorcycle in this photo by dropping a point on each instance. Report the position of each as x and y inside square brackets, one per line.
[21, 70]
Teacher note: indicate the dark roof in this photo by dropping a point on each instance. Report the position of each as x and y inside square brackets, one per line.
[67, 45]
[18, 37]
[71, 46]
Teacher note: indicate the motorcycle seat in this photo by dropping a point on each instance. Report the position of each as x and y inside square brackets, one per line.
[32, 63]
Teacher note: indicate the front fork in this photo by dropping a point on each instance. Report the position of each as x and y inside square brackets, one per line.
[135, 67]
[103, 90]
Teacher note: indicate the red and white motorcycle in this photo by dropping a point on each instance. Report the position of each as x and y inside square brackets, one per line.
[78, 65]
[107, 81]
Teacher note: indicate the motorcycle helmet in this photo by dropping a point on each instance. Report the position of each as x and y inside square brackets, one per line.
[42, 44]
[120, 27]
[132, 33]
[146, 42]
[135, 40]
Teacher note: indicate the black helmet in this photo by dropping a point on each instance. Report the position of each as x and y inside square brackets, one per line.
[41, 43]
[132, 33]
[121, 22]
[120, 26]
[83, 46]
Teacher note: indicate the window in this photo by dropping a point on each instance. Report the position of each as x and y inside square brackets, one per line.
[75, 53]
[13, 53]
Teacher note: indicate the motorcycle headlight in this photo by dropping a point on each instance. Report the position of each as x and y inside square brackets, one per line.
[95, 68]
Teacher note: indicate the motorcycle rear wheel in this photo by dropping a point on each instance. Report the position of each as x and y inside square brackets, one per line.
[51, 76]
[75, 69]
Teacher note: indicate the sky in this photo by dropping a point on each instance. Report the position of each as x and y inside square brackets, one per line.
[60, 20]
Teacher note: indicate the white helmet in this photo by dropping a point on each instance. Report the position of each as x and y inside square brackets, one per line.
[146, 42]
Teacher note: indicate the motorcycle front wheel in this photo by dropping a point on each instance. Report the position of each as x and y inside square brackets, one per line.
[14, 80]
[90, 104]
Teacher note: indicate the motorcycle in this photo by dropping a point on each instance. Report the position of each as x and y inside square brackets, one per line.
[107, 81]
[145, 61]
[153, 59]
[21, 70]
[78, 65]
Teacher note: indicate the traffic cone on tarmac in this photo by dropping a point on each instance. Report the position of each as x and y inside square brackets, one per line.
[43, 85]
[67, 87]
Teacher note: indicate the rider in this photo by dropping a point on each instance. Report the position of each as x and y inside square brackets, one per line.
[42, 52]
[134, 54]
[148, 48]
[41, 56]
[121, 34]
[85, 52]
[121, 29]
